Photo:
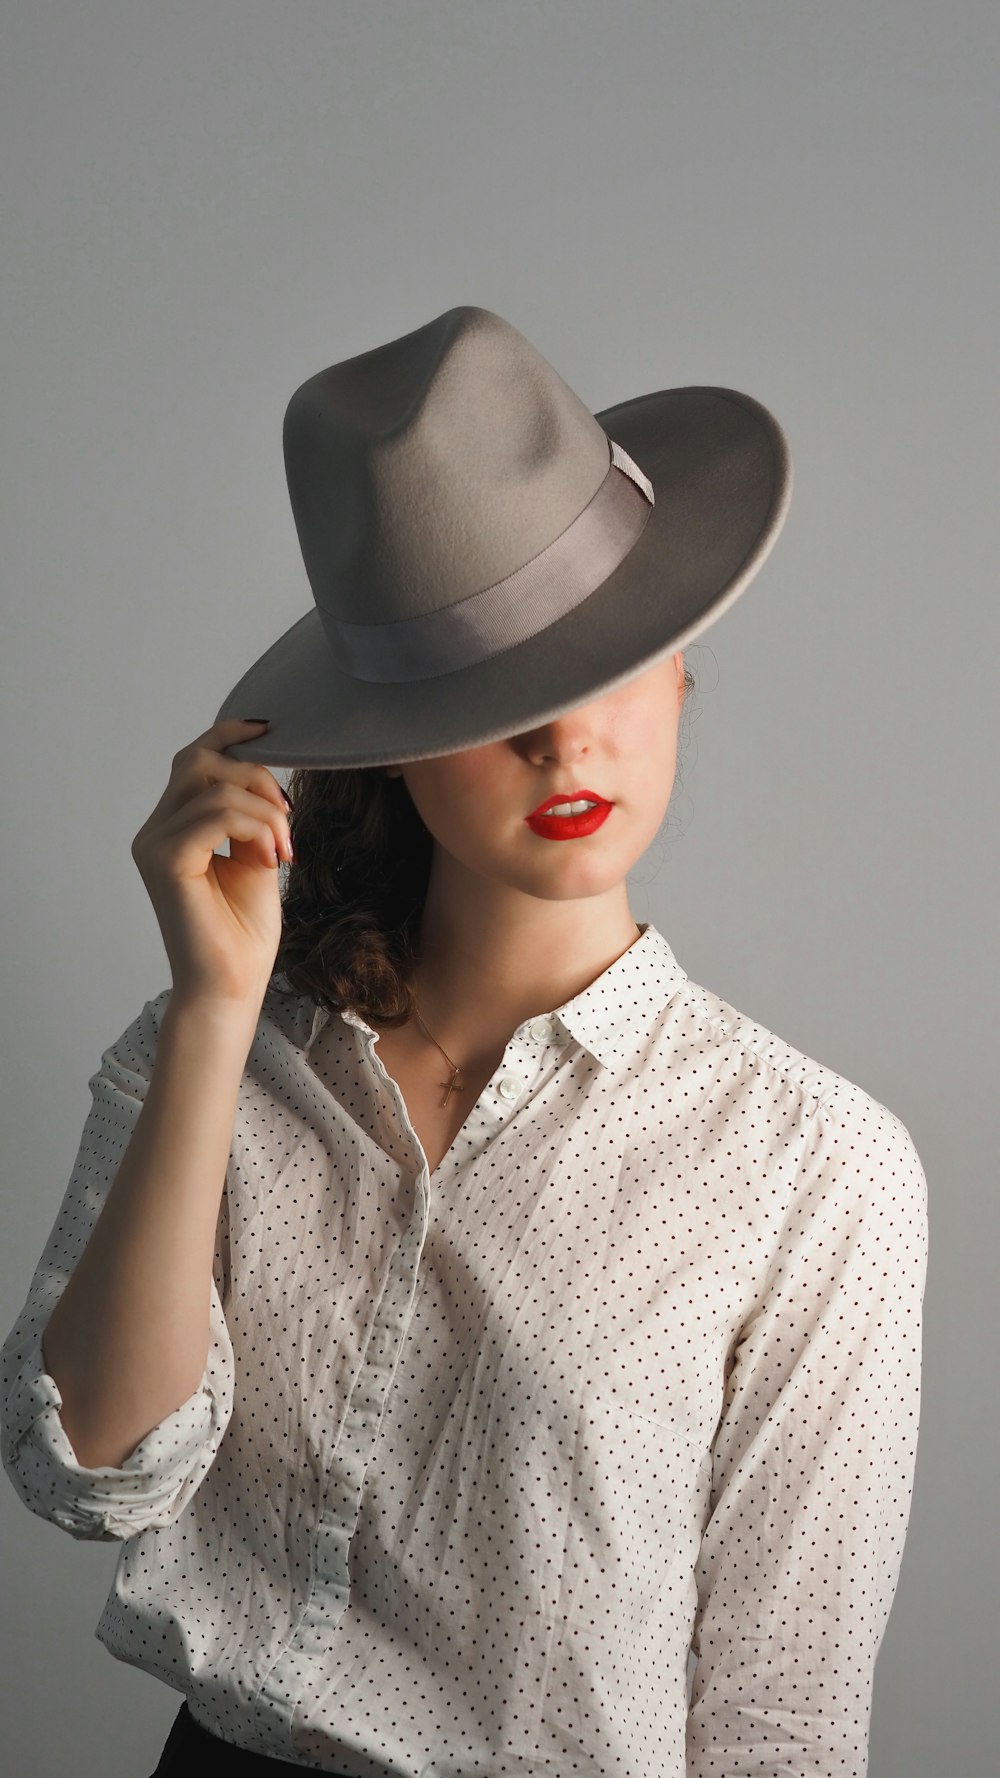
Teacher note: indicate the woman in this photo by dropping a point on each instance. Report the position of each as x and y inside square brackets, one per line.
[461, 1317]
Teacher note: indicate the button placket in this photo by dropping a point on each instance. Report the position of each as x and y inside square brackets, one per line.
[307, 1647]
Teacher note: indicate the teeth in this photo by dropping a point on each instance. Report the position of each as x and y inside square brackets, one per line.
[570, 808]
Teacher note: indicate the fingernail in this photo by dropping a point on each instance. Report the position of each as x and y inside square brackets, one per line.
[286, 796]
[264, 719]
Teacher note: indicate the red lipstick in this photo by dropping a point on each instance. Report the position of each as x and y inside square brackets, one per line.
[569, 827]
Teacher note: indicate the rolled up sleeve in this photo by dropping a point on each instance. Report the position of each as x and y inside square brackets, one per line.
[813, 1464]
[157, 1479]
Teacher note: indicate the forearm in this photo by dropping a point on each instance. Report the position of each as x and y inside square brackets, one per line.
[127, 1343]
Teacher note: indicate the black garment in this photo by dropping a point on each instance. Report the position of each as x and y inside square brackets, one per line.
[190, 1748]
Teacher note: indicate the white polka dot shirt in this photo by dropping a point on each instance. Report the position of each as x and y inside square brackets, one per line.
[591, 1451]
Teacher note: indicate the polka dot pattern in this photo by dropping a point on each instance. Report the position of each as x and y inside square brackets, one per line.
[592, 1450]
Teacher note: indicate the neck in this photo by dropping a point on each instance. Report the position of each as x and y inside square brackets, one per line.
[488, 960]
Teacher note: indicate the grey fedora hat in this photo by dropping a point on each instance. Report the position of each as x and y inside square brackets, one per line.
[485, 553]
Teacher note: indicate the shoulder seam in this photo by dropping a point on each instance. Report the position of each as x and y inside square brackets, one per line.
[819, 1098]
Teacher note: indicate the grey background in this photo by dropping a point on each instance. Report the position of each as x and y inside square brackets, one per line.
[203, 205]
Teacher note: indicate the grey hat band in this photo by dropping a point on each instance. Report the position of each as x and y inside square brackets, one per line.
[497, 617]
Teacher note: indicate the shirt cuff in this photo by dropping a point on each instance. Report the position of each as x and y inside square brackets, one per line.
[149, 1489]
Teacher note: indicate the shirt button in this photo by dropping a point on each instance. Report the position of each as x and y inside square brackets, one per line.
[541, 1028]
[510, 1086]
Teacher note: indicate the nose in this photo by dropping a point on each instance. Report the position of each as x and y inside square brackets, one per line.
[564, 738]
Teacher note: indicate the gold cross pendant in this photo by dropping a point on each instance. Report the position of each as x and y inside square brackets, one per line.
[451, 1086]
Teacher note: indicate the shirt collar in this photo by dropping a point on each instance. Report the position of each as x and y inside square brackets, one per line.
[609, 1018]
[612, 1015]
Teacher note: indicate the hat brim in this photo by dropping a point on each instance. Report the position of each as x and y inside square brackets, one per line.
[722, 476]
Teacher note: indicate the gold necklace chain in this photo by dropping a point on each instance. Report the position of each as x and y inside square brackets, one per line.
[454, 1083]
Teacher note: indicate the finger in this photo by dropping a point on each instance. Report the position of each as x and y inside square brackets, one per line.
[201, 764]
[224, 811]
[211, 767]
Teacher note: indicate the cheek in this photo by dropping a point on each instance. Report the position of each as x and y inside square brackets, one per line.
[662, 727]
[647, 744]
[456, 811]
[653, 756]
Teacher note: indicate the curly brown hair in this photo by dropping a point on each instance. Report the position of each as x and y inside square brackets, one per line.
[354, 893]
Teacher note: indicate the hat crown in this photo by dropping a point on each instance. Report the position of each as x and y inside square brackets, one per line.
[435, 465]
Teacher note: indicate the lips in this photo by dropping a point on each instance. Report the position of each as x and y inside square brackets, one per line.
[569, 827]
[567, 796]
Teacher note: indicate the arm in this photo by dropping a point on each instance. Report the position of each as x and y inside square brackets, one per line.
[118, 1374]
[813, 1465]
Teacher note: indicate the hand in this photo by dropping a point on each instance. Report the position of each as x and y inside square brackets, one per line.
[220, 917]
